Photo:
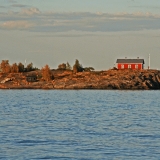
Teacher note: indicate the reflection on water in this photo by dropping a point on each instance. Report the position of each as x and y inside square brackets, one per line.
[79, 124]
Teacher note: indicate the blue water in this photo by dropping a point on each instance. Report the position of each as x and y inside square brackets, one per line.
[79, 125]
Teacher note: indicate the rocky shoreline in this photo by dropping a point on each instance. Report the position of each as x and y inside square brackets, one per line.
[66, 79]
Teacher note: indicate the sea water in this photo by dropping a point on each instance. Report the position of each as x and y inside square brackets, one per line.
[79, 125]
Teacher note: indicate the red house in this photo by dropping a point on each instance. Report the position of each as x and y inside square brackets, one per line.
[130, 63]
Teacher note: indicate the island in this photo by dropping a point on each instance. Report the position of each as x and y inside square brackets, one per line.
[79, 78]
[67, 79]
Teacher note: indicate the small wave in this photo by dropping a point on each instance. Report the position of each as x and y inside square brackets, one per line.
[31, 141]
[146, 136]
[54, 157]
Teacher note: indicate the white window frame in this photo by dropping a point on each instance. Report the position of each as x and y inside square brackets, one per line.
[136, 66]
[122, 66]
[129, 66]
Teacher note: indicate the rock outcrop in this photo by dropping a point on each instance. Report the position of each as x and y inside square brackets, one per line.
[110, 79]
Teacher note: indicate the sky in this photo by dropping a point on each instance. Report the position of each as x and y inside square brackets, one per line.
[96, 32]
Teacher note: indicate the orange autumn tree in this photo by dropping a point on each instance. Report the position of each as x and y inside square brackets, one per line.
[46, 73]
[5, 66]
[14, 68]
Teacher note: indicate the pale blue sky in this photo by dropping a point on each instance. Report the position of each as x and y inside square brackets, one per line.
[96, 32]
[110, 6]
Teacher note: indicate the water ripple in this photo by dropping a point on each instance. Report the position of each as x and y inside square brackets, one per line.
[79, 125]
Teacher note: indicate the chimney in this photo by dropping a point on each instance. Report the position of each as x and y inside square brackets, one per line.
[137, 57]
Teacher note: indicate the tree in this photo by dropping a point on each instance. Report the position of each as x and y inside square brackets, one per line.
[65, 66]
[62, 66]
[20, 67]
[77, 67]
[29, 67]
[46, 73]
[5, 66]
[68, 66]
[8, 69]
[14, 68]
[88, 69]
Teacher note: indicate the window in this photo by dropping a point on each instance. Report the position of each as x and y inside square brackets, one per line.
[122, 66]
[136, 66]
[129, 66]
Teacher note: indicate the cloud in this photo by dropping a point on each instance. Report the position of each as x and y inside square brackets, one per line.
[30, 11]
[19, 5]
[2, 7]
[78, 21]
[100, 21]
[16, 25]
[125, 15]
[12, 1]
[145, 7]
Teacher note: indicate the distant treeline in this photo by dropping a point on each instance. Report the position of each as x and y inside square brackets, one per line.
[5, 67]
[77, 67]
[46, 74]
[15, 68]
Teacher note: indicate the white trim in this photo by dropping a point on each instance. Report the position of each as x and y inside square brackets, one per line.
[129, 66]
[129, 63]
[122, 66]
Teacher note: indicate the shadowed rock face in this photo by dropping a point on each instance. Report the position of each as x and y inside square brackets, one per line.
[110, 79]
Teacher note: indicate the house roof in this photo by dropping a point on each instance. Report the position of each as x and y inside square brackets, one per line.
[130, 61]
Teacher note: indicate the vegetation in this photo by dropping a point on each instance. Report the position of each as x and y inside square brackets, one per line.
[77, 67]
[5, 67]
[21, 67]
[65, 66]
[29, 67]
[62, 66]
[14, 68]
[88, 69]
[68, 66]
[46, 73]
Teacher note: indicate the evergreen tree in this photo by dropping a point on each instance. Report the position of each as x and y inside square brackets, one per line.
[77, 67]
[68, 66]
[29, 67]
[20, 67]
